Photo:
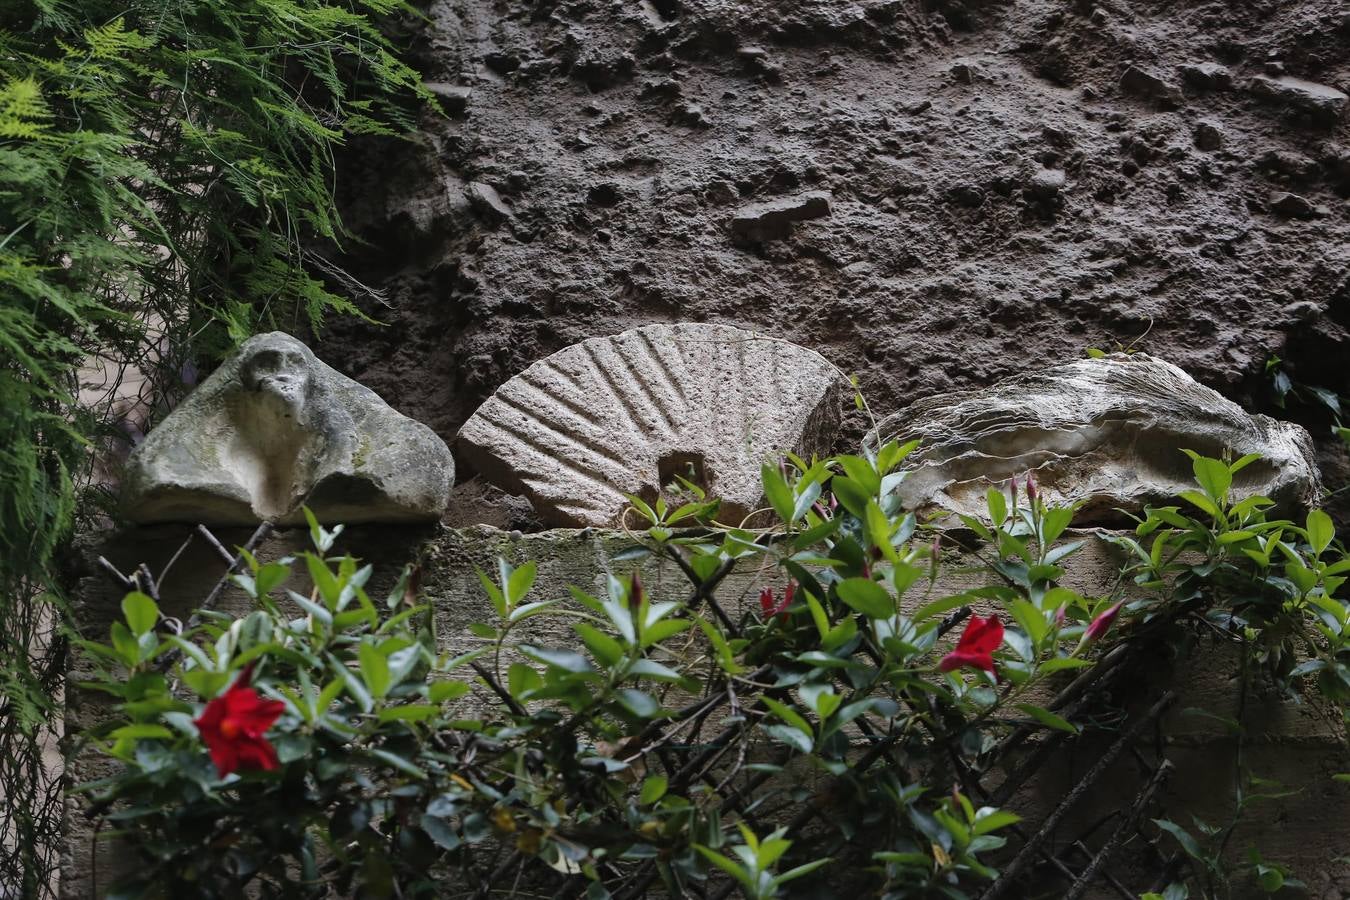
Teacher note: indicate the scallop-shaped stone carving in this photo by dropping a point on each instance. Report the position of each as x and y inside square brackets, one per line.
[620, 415]
[1106, 433]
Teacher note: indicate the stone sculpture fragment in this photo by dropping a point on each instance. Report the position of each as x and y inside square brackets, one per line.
[620, 415]
[273, 429]
[1107, 433]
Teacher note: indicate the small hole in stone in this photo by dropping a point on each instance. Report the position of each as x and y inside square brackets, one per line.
[687, 466]
[667, 9]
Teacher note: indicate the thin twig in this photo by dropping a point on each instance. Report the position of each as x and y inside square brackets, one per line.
[226, 556]
[503, 693]
[121, 580]
[259, 535]
[1114, 841]
[1030, 850]
[159, 582]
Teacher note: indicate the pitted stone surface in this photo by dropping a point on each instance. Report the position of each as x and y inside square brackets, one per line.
[1107, 433]
[620, 415]
[274, 429]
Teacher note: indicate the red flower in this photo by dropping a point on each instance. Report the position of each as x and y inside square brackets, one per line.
[770, 608]
[233, 724]
[1102, 624]
[976, 645]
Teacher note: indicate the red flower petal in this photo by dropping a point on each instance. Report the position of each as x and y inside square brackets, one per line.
[766, 601]
[232, 727]
[981, 635]
[976, 645]
[250, 712]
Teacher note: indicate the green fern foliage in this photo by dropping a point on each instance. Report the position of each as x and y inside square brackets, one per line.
[166, 172]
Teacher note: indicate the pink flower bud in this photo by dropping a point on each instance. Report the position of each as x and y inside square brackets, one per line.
[1031, 488]
[1102, 624]
[635, 593]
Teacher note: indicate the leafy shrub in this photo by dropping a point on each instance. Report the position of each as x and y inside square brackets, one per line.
[166, 181]
[842, 729]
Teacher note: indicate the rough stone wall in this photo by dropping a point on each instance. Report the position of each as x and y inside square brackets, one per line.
[1288, 743]
[1001, 194]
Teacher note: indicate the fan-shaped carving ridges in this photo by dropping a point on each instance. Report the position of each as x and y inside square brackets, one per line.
[612, 416]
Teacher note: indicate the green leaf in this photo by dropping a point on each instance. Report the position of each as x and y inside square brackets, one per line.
[1195, 498]
[1060, 663]
[1047, 718]
[653, 671]
[653, 789]
[726, 658]
[1030, 618]
[1054, 522]
[1321, 531]
[809, 495]
[731, 868]
[879, 530]
[657, 632]
[867, 597]
[352, 683]
[793, 737]
[803, 869]
[566, 660]
[521, 679]
[520, 582]
[851, 494]
[445, 690]
[1183, 837]
[494, 593]
[988, 820]
[412, 712]
[788, 715]
[323, 579]
[891, 455]
[441, 832]
[998, 505]
[604, 648]
[1213, 476]
[142, 732]
[398, 762]
[860, 471]
[205, 683]
[318, 611]
[639, 703]
[777, 491]
[140, 612]
[125, 644]
[374, 669]
[643, 509]
[1270, 878]
[270, 577]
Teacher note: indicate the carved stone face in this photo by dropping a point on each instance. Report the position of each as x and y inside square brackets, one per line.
[279, 373]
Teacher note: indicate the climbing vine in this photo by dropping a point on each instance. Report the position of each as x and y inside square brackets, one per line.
[166, 188]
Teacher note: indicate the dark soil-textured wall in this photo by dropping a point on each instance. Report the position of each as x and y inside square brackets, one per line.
[1011, 184]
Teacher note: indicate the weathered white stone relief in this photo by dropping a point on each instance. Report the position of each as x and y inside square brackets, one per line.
[1106, 432]
[273, 429]
[576, 431]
